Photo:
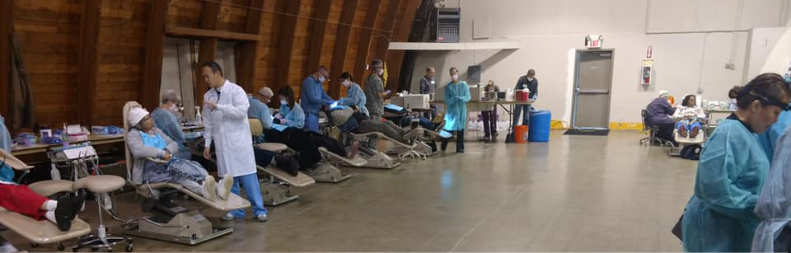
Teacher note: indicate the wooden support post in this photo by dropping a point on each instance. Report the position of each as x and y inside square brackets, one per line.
[320, 14]
[366, 35]
[247, 51]
[286, 43]
[154, 50]
[208, 47]
[341, 44]
[88, 60]
[6, 19]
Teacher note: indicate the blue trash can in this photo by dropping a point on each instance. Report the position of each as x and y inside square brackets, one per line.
[540, 122]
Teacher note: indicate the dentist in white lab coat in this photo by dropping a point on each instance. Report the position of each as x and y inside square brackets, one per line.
[225, 123]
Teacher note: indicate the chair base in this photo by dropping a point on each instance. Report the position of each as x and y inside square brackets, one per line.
[107, 243]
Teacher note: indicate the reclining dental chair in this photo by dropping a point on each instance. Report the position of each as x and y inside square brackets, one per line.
[42, 231]
[276, 189]
[171, 222]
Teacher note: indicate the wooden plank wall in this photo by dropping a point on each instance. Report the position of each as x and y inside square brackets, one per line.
[49, 32]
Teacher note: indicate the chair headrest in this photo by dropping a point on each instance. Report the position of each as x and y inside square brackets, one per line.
[256, 127]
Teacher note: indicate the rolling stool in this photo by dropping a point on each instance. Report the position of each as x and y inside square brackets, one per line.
[101, 185]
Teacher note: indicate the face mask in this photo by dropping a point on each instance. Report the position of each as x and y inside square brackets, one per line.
[455, 77]
[283, 102]
[347, 83]
[322, 79]
[381, 72]
[530, 79]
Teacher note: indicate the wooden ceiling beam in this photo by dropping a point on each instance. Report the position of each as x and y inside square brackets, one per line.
[321, 12]
[384, 39]
[247, 51]
[88, 60]
[366, 35]
[208, 46]
[208, 33]
[154, 51]
[341, 45]
[286, 43]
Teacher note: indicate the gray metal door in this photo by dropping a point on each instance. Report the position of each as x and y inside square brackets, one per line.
[593, 81]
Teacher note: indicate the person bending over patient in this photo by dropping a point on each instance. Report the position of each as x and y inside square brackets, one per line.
[291, 113]
[165, 119]
[146, 141]
[689, 117]
[21, 199]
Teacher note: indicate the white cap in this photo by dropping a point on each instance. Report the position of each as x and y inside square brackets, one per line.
[664, 93]
[266, 91]
[136, 115]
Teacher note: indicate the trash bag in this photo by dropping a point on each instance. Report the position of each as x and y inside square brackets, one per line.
[691, 152]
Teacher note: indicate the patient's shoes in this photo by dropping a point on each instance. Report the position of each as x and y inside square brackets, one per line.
[694, 132]
[209, 190]
[64, 213]
[78, 202]
[287, 164]
[226, 183]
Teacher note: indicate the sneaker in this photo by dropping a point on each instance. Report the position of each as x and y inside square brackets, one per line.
[78, 203]
[209, 189]
[485, 138]
[64, 213]
[226, 183]
[262, 217]
[228, 217]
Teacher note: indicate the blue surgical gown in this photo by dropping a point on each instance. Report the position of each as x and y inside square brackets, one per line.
[167, 122]
[356, 97]
[774, 202]
[456, 97]
[295, 116]
[260, 111]
[719, 217]
[6, 173]
[769, 138]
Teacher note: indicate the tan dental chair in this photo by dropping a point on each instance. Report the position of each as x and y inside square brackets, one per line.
[277, 190]
[174, 223]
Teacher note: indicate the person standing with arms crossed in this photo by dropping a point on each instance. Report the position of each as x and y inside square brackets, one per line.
[225, 123]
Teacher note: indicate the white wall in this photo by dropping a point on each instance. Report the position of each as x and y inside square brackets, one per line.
[779, 61]
[692, 41]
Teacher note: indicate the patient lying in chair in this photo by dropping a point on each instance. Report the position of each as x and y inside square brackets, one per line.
[350, 119]
[21, 199]
[146, 141]
[689, 117]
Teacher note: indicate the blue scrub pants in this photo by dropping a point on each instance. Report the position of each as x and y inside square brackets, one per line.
[522, 109]
[312, 122]
[689, 126]
[253, 191]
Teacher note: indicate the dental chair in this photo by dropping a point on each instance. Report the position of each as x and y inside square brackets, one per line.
[170, 222]
[371, 155]
[276, 190]
[394, 147]
[43, 231]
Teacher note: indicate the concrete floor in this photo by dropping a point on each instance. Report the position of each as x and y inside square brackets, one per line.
[575, 193]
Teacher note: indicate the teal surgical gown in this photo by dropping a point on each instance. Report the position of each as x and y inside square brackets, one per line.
[167, 122]
[769, 138]
[295, 116]
[260, 111]
[774, 202]
[456, 97]
[6, 173]
[719, 217]
[356, 97]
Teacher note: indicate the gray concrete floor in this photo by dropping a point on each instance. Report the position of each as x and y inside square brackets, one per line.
[575, 193]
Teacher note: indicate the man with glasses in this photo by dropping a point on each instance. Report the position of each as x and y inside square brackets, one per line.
[314, 98]
[374, 90]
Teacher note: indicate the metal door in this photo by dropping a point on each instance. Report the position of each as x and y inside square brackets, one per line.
[593, 81]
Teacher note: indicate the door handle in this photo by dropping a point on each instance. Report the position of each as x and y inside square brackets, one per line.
[593, 91]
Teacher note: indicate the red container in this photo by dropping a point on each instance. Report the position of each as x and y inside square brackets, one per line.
[522, 95]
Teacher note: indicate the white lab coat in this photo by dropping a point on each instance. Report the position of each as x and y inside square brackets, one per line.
[229, 128]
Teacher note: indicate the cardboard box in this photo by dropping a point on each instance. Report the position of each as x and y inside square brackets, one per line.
[412, 101]
[476, 92]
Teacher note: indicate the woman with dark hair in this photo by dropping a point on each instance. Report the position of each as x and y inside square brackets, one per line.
[291, 114]
[354, 95]
[719, 217]
[689, 117]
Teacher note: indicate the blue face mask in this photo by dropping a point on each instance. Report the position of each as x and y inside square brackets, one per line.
[283, 102]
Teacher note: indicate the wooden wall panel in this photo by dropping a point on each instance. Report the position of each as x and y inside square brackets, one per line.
[364, 41]
[154, 47]
[406, 15]
[50, 34]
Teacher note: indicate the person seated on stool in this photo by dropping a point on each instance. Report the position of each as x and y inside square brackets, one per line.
[165, 119]
[258, 108]
[22, 200]
[291, 113]
[659, 111]
[689, 116]
[490, 116]
[147, 141]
